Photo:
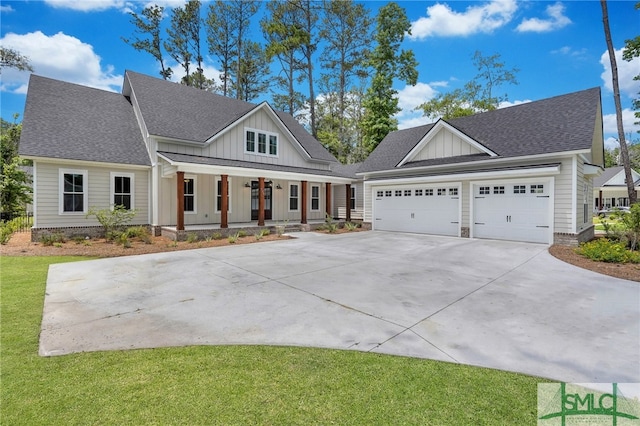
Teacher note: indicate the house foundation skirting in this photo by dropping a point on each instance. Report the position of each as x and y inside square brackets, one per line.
[203, 232]
[71, 232]
[569, 239]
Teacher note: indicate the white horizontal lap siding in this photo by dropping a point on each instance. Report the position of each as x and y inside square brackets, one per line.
[98, 192]
[563, 198]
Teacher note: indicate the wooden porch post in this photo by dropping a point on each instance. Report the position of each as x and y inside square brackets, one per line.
[600, 206]
[224, 205]
[327, 200]
[261, 201]
[303, 218]
[180, 225]
[348, 191]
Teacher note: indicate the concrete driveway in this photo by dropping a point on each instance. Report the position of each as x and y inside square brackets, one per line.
[497, 304]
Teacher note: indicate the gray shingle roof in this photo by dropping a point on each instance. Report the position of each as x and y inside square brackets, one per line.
[559, 124]
[176, 111]
[68, 121]
[609, 173]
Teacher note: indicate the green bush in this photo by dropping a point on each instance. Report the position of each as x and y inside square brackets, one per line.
[9, 227]
[329, 225]
[605, 250]
[192, 237]
[233, 238]
[625, 227]
[53, 239]
[242, 233]
[350, 226]
[112, 220]
[216, 236]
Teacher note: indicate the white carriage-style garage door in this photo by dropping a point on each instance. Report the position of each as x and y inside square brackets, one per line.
[418, 208]
[518, 211]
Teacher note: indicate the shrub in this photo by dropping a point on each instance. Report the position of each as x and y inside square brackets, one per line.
[53, 239]
[605, 250]
[140, 232]
[350, 226]
[261, 234]
[329, 225]
[192, 237]
[242, 233]
[9, 227]
[216, 236]
[233, 238]
[112, 219]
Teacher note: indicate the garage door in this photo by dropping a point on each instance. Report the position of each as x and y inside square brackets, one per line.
[420, 209]
[512, 211]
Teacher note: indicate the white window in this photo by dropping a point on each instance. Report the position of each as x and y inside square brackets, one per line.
[407, 193]
[519, 189]
[387, 193]
[498, 189]
[428, 192]
[537, 189]
[418, 192]
[261, 142]
[453, 191]
[122, 189]
[485, 190]
[352, 199]
[73, 191]
[190, 195]
[315, 197]
[219, 194]
[398, 193]
[293, 197]
[380, 194]
[442, 191]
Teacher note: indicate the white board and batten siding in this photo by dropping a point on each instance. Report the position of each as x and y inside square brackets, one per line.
[231, 145]
[47, 193]
[445, 144]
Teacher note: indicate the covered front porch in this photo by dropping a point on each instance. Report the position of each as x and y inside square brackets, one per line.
[222, 199]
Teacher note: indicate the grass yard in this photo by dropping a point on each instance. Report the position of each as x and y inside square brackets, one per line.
[233, 384]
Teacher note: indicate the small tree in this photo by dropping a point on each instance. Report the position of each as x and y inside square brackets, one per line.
[112, 220]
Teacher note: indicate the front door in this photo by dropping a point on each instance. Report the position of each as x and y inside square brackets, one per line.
[255, 202]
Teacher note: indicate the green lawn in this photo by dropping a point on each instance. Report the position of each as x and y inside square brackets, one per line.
[233, 384]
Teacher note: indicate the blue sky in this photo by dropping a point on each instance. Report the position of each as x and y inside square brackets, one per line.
[558, 46]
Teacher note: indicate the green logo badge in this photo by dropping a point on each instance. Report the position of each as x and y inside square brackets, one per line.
[572, 404]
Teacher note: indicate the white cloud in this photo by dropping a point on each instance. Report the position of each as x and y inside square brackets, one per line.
[626, 72]
[555, 21]
[441, 20]
[58, 56]
[569, 51]
[6, 8]
[412, 96]
[506, 104]
[87, 5]
[610, 126]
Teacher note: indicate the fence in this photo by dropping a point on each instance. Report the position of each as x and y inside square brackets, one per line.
[21, 222]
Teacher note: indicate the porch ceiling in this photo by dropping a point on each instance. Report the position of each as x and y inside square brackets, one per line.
[173, 162]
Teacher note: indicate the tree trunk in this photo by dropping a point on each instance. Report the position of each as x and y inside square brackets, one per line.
[624, 150]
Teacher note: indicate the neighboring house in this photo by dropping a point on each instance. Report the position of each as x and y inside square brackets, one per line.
[190, 160]
[610, 188]
[181, 157]
[521, 173]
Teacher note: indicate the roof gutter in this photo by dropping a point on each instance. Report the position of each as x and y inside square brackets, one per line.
[436, 167]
